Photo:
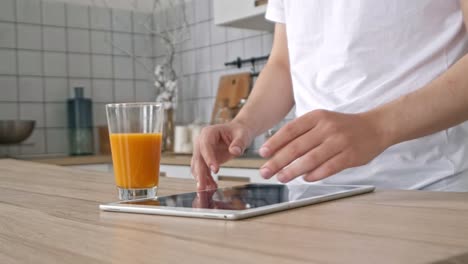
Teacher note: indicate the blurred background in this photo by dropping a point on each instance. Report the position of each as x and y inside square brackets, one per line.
[111, 50]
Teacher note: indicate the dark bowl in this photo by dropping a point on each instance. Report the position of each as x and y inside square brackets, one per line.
[15, 131]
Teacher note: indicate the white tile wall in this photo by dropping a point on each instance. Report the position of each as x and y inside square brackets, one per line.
[122, 41]
[102, 66]
[8, 56]
[144, 91]
[55, 64]
[267, 43]
[103, 91]
[56, 114]
[53, 13]
[124, 91]
[218, 34]
[142, 72]
[30, 62]
[202, 34]
[54, 39]
[99, 114]
[123, 68]
[122, 20]
[7, 35]
[77, 16]
[71, 47]
[203, 85]
[100, 42]
[253, 47]
[8, 89]
[218, 57]
[235, 49]
[141, 23]
[7, 10]
[9, 111]
[56, 89]
[202, 10]
[31, 89]
[143, 45]
[79, 65]
[35, 144]
[203, 59]
[32, 111]
[100, 18]
[29, 37]
[59, 144]
[234, 34]
[78, 40]
[28, 11]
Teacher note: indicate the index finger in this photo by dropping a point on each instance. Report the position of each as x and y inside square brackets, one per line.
[286, 134]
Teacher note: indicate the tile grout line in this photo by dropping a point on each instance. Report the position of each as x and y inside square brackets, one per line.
[133, 60]
[41, 18]
[18, 108]
[111, 14]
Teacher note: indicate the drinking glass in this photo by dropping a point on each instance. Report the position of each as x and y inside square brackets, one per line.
[135, 133]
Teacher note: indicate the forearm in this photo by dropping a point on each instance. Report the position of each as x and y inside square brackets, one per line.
[270, 100]
[441, 104]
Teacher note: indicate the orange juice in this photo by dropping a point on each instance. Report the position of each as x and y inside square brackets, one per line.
[136, 158]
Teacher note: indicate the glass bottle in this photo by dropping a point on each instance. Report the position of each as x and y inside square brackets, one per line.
[80, 124]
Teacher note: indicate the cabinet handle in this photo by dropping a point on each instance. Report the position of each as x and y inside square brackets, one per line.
[260, 2]
[233, 178]
[162, 174]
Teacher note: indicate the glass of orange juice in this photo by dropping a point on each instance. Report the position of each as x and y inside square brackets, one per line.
[135, 132]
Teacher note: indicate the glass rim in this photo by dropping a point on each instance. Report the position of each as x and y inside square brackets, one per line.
[134, 104]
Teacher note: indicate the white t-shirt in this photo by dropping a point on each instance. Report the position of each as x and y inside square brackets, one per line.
[351, 56]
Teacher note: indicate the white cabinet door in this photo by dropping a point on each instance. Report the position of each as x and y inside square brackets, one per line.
[226, 174]
[241, 14]
[105, 167]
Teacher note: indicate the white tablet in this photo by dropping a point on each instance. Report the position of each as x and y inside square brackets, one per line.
[237, 202]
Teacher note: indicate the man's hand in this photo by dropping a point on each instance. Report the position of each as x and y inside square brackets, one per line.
[320, 144]
[216, 145]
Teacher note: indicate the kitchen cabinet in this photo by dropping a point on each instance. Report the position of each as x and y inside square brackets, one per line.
[249, 14]
[226, 174]
[105, 167]
[241, 175]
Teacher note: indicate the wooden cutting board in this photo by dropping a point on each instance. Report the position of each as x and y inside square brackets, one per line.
[232, 88]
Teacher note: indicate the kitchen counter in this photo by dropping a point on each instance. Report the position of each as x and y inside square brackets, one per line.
[49, 214]
[166, 159]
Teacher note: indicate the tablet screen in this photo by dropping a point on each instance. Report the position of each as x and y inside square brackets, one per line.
[243, 197]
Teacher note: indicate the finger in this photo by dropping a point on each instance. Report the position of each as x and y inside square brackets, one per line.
[238, 144]
[207, 146]
[201, 171]
[330, 167]
[287, 133]
[309, 162]
[295, 149]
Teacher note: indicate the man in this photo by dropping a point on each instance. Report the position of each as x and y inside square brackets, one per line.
[381, 94]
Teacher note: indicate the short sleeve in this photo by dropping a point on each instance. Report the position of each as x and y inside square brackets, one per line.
[275, 11]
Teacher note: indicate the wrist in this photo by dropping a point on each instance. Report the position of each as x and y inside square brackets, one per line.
[383, 126]
[245, 125]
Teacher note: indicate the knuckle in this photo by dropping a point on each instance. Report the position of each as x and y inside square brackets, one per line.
[290, 129]
[329, 169]
[319, 112]
[273, 165]
[295, 150]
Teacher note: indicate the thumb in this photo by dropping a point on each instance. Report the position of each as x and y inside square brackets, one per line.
[238, 144]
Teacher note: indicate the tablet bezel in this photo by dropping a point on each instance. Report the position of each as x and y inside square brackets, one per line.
[120, 206]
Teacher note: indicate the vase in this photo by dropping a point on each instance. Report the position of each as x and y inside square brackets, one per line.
[168, 131]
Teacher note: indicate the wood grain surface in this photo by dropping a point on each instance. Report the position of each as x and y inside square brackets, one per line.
[49, 214]
[166, 159]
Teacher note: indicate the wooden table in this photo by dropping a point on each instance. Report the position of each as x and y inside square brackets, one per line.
[49, 214]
